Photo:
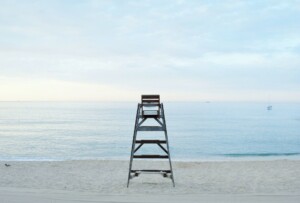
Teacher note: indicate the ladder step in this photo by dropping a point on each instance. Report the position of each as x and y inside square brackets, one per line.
[151, 141]
[151, 171]
[150, 156]
[155, 116]
[150, 128]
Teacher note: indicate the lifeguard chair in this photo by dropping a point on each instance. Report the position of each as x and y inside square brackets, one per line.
[150, 108]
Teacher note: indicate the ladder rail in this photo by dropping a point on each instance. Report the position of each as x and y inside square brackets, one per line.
[168, 148]
[133, 141]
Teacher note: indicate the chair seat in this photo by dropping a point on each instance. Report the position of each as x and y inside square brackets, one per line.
[150, 113]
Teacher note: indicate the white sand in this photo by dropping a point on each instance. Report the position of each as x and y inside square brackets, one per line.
[105, 181]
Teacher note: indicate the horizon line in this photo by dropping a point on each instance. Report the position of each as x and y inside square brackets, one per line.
[127, 101]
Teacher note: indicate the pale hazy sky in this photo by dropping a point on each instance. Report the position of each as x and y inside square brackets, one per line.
[116, 50]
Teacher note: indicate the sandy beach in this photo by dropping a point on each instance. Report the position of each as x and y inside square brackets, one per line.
[105, 181]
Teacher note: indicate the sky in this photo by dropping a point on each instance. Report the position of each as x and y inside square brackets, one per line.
[116, 50]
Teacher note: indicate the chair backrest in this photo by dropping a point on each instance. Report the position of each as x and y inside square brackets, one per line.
[151, 99]
[150, 105]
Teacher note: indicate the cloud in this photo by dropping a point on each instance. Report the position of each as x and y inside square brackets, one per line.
[197, 49]
[20, 89]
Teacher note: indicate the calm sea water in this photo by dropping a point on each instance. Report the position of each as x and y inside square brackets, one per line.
[69, 130]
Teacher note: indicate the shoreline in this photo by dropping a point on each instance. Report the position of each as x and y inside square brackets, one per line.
[200, 159]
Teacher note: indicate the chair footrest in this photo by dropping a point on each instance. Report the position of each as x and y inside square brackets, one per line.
[150, 156]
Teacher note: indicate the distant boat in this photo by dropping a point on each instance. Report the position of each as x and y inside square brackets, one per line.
[269, 108]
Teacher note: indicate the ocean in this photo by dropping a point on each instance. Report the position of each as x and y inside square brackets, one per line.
[101, 130]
